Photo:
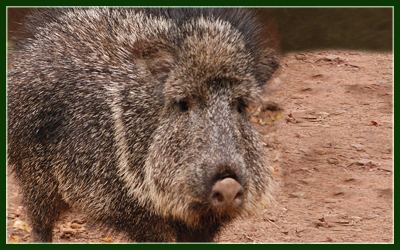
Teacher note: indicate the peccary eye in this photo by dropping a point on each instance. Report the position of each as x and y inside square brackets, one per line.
[241, 106]
[183, 105]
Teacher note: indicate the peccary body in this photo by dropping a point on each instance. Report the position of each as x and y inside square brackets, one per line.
[137, 117]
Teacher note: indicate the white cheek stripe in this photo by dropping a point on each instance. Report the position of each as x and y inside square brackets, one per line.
[130, 178]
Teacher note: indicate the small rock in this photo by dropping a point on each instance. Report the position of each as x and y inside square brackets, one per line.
[318, 224]
[299, 231]
[356, 219]
[297, 195]
[320, 151]
[386, 169]
[67, 234]
[107, 239]
[270, 219]
[300, 57]
[75, 226]
[277, 157]
[351, 179]
[323, 115]
[317, 76]
[310, 117]
[328, 200]
[290, 119]
[358, 147]
[276, 81]
[14, 239]
[365, 163]
[343, 222]
[78, 221]
[339, 191]
[21, 225]
[374, 123]
[331, 59]
[333, 161]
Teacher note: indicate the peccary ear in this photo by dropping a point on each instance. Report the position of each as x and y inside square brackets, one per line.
[267, 64]
[157, 59]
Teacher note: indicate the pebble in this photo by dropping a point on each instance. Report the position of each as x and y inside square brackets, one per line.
[67, 234]
[350, 179]
[19, 224]
[358, 147]
[333, 161]
[75, 226]
[329, 200]
[297, 195]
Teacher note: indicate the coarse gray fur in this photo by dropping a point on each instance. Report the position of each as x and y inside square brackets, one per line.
[130, 115]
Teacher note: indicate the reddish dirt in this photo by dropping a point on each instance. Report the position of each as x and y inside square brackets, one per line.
[331, 146]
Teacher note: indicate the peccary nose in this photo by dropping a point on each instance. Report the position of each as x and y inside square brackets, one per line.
[226, 194]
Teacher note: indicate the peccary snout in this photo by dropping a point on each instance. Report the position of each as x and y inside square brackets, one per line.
[226, 194]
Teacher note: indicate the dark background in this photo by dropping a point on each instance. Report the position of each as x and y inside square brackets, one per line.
[294, 29]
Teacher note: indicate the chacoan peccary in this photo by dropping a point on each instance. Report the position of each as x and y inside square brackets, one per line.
[138, 118]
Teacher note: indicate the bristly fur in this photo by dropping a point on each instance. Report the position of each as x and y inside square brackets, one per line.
[96, 119]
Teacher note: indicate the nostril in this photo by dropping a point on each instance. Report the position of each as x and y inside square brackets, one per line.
[239, 198]
[217, 197]
[239, 194]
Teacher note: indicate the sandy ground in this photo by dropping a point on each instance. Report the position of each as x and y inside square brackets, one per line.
[330, 142]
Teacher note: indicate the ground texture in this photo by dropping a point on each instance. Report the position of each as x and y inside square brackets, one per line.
[327, 120]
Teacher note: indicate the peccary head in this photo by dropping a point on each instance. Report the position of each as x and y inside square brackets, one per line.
[206, 159]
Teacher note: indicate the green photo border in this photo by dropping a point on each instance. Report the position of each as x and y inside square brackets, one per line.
[254, 3]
